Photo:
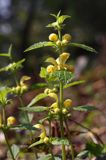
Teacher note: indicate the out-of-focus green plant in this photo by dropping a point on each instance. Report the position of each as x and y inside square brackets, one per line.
[58, 75]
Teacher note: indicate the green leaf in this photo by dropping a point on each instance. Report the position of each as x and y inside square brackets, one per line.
[83, 46]
[74, 83]
[83, 154]
[38, 85]
[7, 54]
[59, 141]
[62, 75]
[51, 60]
[46, 157]
[37, 98]
[13, 66]
[84, 108]
[35, 109]
[43, 72]
[40, 45]
[36, 143]
[54, 24]
[94, 149]
[4, 54]
[62, 18]
[15, 150]
[26, 126]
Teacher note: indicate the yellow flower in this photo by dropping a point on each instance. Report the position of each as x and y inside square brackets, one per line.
[46, 140]
[54, 105]
[64, 56]
[56, 110]
[23, 79]
[67, 37]
[50, 69]
[53, 95]
[68, 103]
[11, 121]
[53, 37]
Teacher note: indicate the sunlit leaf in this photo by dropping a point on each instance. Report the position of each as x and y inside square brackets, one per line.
[51, 60]
[74, 83]
[62, 18]
[37, 98]
[43, 72]
[35, 109]
[54, 24]
[40, 45]
[84, 108]
[83, 46]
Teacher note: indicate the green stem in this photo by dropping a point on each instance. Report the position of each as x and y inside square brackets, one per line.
[59, 34]
[50, 146]
[9, 147]
[4, 115]
[61, 121]
[69, 137]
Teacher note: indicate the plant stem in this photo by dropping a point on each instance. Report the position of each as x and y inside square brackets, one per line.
[69, 136]
[50, 146]
[4, 115]
[9, 147]
[61, 121]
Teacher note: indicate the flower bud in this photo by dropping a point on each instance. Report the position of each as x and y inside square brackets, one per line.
[58, 42]
[11, 121]
[67, 37]
[53, 37]
[68, 103]
[64, 42]
[64, 111]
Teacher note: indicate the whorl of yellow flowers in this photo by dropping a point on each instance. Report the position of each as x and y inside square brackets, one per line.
[60, 64]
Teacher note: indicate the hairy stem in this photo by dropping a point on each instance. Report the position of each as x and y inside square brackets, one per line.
[69, 137]
[8, 145]
[4, 115]
[62, 120]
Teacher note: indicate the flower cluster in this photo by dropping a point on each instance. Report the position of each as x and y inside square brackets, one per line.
[66, 38]
[22, 87]
[59, 63]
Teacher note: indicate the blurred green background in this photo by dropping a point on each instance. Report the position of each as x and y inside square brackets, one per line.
[23, 22]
